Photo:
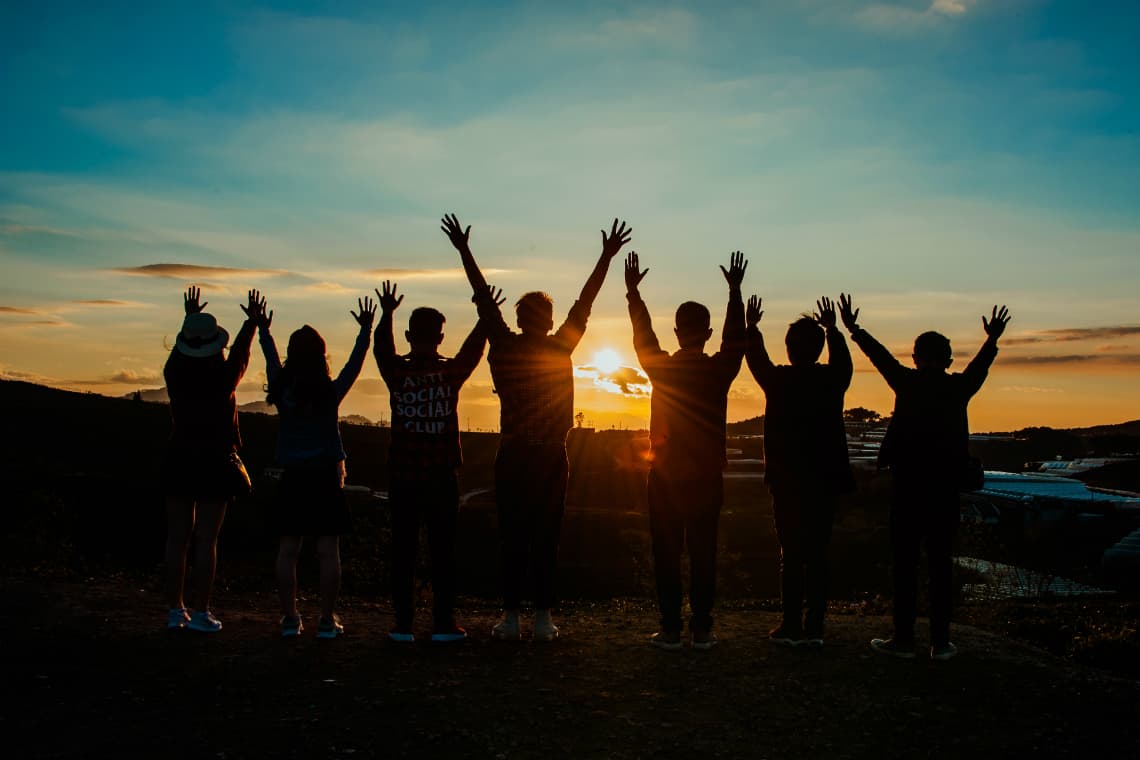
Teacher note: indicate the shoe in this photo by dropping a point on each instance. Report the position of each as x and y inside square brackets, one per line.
[448, 634]
[782, 634]
[704, 640]
[291, 626]
[204, 621]
[893, 648]
[667, 640]
[401, 635]
[544, 627]
[176, 618]
[329, 628]
[507, 629]
[812, 640]
[943, 651]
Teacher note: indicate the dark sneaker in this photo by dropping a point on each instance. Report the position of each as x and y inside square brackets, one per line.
[786, 635]
[329, 629]
[704, 640]
[893, 648]
[177, 618]
[813, 639]
[943, 651]
[507, 629]
[448, 634]
[401, 635]
[204, 622]
[291, 626]
[667, 640]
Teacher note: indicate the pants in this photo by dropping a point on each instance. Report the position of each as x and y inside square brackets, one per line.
[530, 488]
[922, 511]
[804, 512]
[434, 501]
[685, 512]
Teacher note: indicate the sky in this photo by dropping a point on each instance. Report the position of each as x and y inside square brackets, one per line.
[933, 158]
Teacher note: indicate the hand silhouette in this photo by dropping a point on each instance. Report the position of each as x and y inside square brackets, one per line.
[825, 312]
[388, 300]
[496, 295]
[255, 309]
[996, 325]
[633, 273]
[752, 312]
[618, 237]
[735, 272]
[846, 313]
[458, 236]
[190, 300]
[367, 312]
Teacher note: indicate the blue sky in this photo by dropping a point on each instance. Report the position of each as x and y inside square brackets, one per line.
[932, 157]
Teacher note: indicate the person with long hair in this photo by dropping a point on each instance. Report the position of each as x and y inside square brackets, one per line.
[309, 449]
[202, 471]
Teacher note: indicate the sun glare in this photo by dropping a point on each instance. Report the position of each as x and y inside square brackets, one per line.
[607, 361]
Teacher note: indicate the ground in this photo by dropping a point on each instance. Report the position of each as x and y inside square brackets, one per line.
[90, 672]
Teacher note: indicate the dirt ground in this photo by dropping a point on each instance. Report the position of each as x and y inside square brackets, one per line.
[90, 672]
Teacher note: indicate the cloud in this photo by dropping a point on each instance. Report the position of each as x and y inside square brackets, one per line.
[104, 302]
[130, 377]
[427, 274]
[1030, 389]
[626, 381]
[1073, 359]
[893, 18]
[1068, 334]
[197, 271]
[20, 311]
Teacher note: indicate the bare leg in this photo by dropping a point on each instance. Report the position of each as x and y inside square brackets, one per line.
[206, 529]
[179, 526]
[287, 552]
[328, 550]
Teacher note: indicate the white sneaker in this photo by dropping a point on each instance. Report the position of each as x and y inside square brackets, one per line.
[544, 627]
[508, 628]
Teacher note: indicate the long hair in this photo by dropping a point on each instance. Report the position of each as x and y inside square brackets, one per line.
[305, 382]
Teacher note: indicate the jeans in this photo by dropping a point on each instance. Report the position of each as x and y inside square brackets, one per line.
[804, 512]
[434, 501]
[530, 491]
[685, 512]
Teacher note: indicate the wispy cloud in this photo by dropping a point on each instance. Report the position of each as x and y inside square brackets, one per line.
[896, 18]
[626, 381]
[20, 311]
[1072, 359]
[427, 274]
[197, 271]
[1069, 334]
[113, 302]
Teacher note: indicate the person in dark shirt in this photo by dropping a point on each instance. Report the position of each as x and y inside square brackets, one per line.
[311, 496]
[805, 458]
[926, 449]
[534, 379]
[424, 457]
[202, 470]
[687, 426]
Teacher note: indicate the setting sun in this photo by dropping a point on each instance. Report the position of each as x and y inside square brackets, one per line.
[607, 361]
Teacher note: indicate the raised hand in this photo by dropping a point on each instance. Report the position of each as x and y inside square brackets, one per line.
[735, 272]
[255, 309]
[633, 273]
[752, 312]
[849, 315]
[496, 295]
[190, 300]
[825, 312]
[367, 312]
[618, 237]
[997, 322]
[388, 299]
[458, 236]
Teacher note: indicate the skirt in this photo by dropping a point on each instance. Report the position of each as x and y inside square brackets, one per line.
[311, 502]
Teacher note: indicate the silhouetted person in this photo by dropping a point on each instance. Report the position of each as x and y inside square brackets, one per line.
[534, 378]
[687, 447]
[926, 449]
[424, 458]
[805, 458]
[311, 496]
[202, 470]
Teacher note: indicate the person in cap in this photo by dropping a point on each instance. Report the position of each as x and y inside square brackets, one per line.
[202, 471]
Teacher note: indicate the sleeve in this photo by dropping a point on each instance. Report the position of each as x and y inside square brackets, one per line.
[352, 367]
[732, 336]
[759, 362]
[238, 359]
[645, 343]
[469, 354]
[272, 358]
[572, 330]
[384, 347]
[839, 358]
[979, 367]
[888, 366]
[494, 326]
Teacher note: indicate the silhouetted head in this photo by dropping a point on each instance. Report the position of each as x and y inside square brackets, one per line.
[692, 325]
[305, 356]
[201, 336]
[425, 329]
[535, 313]
[304, 383]
[932, 351]
[804, 340]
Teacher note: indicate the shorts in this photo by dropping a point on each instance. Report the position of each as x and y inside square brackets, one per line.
[311, 502]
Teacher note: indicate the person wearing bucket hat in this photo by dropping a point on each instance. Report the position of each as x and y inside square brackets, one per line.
[202, 471]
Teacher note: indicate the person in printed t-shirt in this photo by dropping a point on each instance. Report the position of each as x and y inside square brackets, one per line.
[534, 378]
[687, 431]
[424, 457]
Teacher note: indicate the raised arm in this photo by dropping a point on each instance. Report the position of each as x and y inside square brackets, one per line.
[976, 371]
[460, 237]
[471, 351]
[732, 337]
[756, 354]
[384, 346]
[884, 361]
[238, 359]
[645, 342]
[355, 363]
[611, 244]
[268, 347]
[838, 355]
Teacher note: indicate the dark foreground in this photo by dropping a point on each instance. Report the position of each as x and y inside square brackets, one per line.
[89, 673]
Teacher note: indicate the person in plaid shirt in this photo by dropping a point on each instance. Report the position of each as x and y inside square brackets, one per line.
[534, 378]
